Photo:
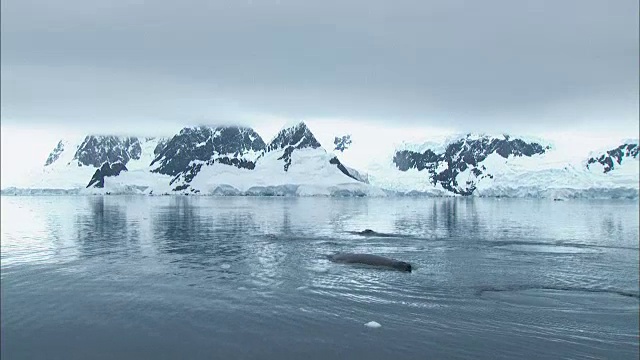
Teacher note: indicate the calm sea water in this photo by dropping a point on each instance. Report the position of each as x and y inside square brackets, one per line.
[247, 278]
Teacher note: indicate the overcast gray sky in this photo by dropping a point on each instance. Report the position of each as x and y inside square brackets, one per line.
[473, 65]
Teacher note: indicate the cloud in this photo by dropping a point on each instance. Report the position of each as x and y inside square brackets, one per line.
[471, 65]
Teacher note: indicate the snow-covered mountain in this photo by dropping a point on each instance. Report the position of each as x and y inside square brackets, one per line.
[614, 158]
[73, 162]
[96, 150]
[234, 160]
[298, 137]
[500, 165]
[292, 163]
[459, 167]
[227, 160]
[290, 139]
[184, 155]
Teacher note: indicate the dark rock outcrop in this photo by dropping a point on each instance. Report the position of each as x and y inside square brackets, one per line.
[97, 180]
[162, 143]
[55, 154]
[615, 156]
[342, 143]
[184, 155]
[465, 153]
[334, 161]
[96, 150]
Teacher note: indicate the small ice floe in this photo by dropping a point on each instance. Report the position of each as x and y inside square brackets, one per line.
[372, 324]
[225, 266]
[320, 268]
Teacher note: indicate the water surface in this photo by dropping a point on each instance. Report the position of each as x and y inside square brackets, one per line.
[243, 278]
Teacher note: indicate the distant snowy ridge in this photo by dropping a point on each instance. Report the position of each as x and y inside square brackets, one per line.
[95, 150]
[73, 162]
[504, 166]
[235, 161]
[611, 158]
[458, 165]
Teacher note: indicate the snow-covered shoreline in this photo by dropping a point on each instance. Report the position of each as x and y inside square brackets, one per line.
[338, 191]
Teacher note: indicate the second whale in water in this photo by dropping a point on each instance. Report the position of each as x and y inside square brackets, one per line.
[368, 259]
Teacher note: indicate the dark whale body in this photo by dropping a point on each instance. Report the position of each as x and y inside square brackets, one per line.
[368, 259]
[369, 232]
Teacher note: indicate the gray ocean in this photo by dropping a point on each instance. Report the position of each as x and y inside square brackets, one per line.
[120, 277]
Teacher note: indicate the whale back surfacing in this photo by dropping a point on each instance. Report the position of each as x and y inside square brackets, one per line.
[368, 259]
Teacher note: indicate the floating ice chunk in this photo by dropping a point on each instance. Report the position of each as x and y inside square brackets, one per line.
[225, 266]
[372, 324]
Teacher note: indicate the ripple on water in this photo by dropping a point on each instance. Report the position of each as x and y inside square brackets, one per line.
[556, 249]
[562, 247]
[562, 298]
[366, 285]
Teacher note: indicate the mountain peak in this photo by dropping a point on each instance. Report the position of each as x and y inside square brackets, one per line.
[298, 136]
[95, 150]
[290, 139]
[292, 123]
[184, 155]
